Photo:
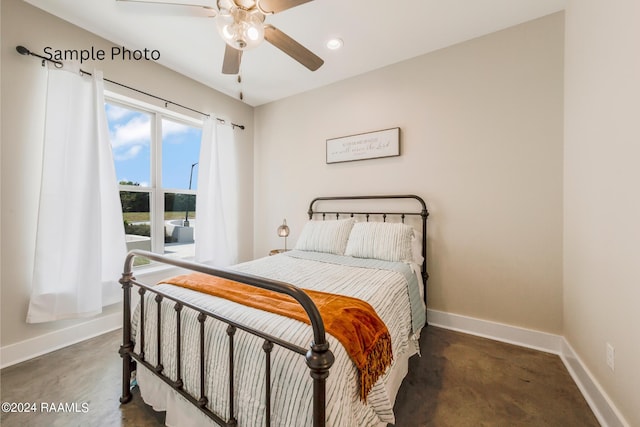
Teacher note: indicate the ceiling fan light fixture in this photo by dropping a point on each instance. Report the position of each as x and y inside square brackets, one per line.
[239, 28]
[254, 34]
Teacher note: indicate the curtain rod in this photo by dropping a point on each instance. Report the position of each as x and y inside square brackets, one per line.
[24, 51]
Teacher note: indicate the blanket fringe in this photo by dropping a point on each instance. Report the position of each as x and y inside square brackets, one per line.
[379, 358]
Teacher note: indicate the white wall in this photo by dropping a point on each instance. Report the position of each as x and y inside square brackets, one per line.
[23, 90]
[602, 194]
[482, 128]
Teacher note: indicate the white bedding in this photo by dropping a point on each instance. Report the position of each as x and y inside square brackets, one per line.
[386, 290]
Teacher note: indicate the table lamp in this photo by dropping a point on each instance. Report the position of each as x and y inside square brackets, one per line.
[283, 231]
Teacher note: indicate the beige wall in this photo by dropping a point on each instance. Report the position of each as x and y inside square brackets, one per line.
[522, 231]
[23, 86]
[482, 129]
[602, 195]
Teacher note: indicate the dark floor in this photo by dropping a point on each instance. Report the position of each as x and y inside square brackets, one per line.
[463, 380]
[460, 380]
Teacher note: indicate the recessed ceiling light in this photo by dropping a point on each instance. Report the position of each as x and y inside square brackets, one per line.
[335, 43]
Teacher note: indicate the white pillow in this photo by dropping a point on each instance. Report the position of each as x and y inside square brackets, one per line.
[325, 236]
[416, 247]
[389, 241]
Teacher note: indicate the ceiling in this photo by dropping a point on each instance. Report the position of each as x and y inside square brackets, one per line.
[376, 33]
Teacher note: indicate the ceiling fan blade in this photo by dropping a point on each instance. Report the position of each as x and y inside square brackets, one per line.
[168, 7]
[275, 6]
[292, 48]
[232, 57]
[194, 3]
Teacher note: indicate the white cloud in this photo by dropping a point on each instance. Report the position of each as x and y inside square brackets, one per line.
[170, 128]
[124, 153]
[136, 131]
[115, 112]
[130, 132]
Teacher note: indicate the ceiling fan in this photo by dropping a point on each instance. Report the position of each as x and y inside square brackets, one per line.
[241, 24]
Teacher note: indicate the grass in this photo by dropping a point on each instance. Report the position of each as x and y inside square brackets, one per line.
[144, 216]
[135, 216]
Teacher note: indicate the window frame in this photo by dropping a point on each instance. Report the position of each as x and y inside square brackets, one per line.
[156, 191]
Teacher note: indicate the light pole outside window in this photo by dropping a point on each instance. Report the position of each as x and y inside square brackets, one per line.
[186, 214]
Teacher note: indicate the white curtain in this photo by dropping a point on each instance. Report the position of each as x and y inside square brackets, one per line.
[216, 233]
[80, 243]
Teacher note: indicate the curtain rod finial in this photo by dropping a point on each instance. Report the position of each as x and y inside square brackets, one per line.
[23, 50]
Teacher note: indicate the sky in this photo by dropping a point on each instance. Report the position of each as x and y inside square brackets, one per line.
[130, 134]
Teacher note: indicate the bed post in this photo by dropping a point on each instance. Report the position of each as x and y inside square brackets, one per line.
[127, 344]
[425, 274]
[319, 360]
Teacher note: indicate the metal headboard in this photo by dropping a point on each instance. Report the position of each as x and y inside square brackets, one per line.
[422, 212]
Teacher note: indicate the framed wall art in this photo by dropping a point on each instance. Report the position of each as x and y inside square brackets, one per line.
[363, 146]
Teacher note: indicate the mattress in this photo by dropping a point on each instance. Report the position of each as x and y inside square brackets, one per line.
[391, 288]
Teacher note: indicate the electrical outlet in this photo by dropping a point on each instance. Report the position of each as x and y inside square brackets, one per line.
[611, 356]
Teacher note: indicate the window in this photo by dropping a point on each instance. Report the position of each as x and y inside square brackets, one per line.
[156, 154]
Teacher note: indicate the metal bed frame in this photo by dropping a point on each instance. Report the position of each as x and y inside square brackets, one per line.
[319, 357]
[423, 214]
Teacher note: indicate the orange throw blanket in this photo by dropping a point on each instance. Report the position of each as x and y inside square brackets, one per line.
[351, 321]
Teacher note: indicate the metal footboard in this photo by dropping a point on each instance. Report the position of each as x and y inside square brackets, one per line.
[318, 357]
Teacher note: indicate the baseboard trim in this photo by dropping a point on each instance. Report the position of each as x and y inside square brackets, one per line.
[599, 402]
[34, 347]
[522, 337]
